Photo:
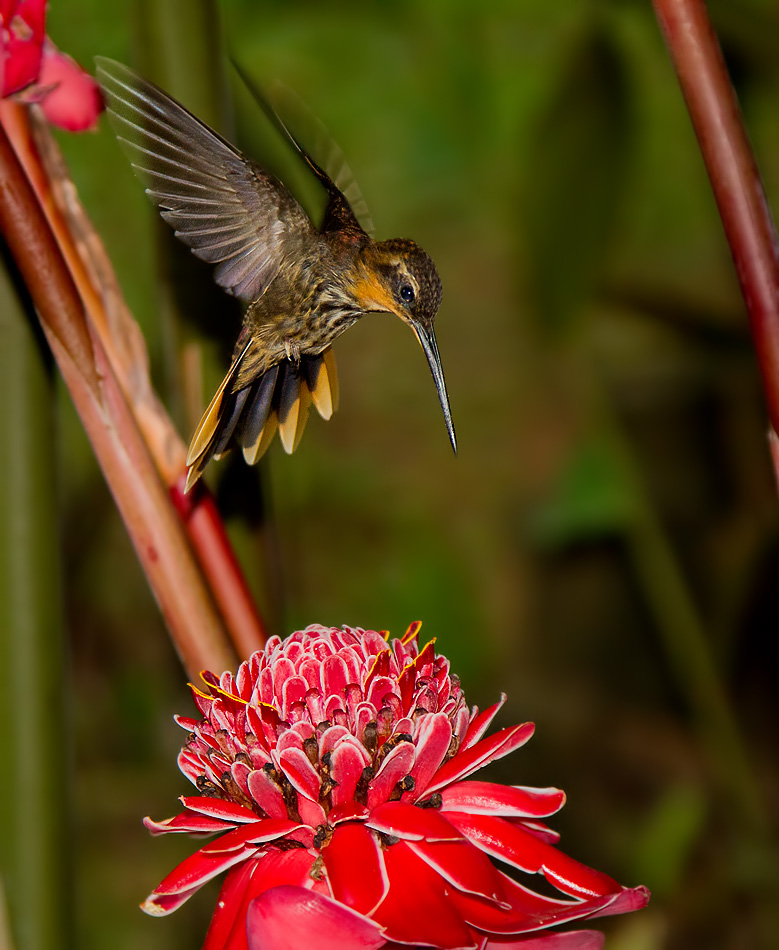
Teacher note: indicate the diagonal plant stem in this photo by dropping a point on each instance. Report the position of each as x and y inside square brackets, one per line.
[687, 649]
[125, 348]
[734, 177]
[751, 234]
[35, 846]
[156, 532]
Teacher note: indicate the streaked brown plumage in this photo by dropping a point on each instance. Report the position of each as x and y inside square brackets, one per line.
[303, 285]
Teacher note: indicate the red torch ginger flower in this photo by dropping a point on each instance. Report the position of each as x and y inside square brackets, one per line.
[337, 765]
[32, 69]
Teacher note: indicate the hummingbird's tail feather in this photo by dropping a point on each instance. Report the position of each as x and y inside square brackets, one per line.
[259, 424]
[322, 383]
[217, 425]
[294, 404]
[279, 399]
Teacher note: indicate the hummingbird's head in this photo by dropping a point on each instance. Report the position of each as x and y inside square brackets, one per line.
[408, 278]
[399, 277]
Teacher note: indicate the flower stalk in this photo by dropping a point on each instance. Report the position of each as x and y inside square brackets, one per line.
[735, 180]
[35, 850]
[124, 345]
[335, 767]
[751, 235]
[156, 533]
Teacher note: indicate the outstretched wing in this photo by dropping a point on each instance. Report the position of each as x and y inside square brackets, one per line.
[223, 206]
[346, 207]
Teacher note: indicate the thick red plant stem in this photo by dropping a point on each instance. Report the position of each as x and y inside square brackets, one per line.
[734, 176]
[197, 509]
[126, 352]
[151, 522]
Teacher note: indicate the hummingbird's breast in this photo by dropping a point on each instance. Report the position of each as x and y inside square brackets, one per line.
[306, 307]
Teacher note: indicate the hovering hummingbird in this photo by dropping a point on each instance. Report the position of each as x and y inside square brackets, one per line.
[303, 285]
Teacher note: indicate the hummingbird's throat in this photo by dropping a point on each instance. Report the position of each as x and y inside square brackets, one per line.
[372, 294]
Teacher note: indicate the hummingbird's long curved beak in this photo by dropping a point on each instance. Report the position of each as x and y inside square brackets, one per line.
[428, 343]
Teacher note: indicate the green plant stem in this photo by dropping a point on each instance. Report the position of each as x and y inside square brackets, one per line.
[734, 177]
[686, 646]
[146, 510]
[35, 791]
[182, 50]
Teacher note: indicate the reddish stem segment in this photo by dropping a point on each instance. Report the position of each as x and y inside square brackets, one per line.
[734, 176]
[206, 530]
[151, 522]
[95, 281]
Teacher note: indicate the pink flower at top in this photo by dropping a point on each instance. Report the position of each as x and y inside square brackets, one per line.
[34, 70]
[336, 766]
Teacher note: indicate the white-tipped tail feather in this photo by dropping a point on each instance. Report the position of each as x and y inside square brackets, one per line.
[280, 400]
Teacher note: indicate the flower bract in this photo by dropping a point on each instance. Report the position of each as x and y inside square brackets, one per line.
[32, 69]
[336, 766]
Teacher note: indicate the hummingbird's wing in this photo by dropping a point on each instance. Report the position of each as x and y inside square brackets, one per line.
[346, 207]
[224, 207]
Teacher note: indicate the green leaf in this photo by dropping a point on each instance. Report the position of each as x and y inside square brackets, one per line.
[664, 848]
[593, 497]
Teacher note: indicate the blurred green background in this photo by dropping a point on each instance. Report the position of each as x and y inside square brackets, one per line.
[612, 503]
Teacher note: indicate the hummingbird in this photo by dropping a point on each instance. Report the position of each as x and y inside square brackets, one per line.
[302, 285]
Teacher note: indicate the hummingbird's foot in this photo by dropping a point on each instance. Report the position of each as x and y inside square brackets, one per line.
[293, 351]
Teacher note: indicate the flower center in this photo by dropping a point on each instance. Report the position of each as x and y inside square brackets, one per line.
[326, 721]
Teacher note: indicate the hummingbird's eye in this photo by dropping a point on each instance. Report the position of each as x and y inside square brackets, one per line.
[407, 293]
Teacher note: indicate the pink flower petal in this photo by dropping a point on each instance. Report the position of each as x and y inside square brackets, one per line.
[432, 738]
[293, 918]
[462, 865]
[257, 832]
[219, 808]
[8, 9]
[414, 824]
[380, 688]
[335, 676]
[243, 884]
[486, 751]
[522, 910]
[628, 900]
[355, 868]
[311, 813]
[517, 847]
[301, 773]
[331, 736]
[538, 829]
[74, 102]
[481, 723]
[574, 940]
[293, 690]
[266, 793]
[188, 877]
[349, 811]
[347, 762]
[487, 798]
[21, 64]
[393, 769]
[417, 909]
[185, 822]
[227, 930]
[23, 47]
